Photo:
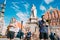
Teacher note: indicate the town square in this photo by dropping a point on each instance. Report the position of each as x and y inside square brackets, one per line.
[29, 19]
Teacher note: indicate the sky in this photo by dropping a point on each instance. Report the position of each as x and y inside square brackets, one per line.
[21, 9]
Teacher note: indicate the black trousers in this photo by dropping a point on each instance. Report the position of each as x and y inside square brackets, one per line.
[10, 34]
[43, 35]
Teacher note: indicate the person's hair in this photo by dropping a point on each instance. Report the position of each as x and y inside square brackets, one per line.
[54, 34]
[46, 25]
[9, 27]
[42, 16]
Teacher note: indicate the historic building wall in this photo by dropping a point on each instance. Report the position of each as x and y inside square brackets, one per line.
[53, 17]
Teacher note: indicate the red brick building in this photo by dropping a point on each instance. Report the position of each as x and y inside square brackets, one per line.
[53, 17]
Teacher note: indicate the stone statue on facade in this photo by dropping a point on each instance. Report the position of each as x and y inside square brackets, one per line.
[34, 11]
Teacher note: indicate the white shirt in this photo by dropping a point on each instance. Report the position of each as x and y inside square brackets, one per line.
[16, 29]
[12, 29]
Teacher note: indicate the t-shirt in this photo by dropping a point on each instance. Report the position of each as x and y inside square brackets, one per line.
[12, 29]
[46, 29]
[42, 27]
[41, 23]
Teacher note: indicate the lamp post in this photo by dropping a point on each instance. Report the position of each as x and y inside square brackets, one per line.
[21, 24]
[21, 29]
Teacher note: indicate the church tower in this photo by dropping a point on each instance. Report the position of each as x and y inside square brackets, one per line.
[2, 10]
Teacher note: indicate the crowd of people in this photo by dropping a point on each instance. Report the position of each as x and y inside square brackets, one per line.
[16, 32]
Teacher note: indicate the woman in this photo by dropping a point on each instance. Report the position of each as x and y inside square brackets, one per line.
[10, 32]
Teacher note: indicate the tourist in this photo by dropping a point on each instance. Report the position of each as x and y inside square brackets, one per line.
[20, 34]
[43, 29]
[13, 27]
[28, 35]
[51, 36]
[10, 32]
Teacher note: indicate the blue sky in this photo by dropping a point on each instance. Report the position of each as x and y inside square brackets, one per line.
[21, 9]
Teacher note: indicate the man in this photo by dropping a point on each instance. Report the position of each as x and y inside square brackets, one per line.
[13, 29]
[43, 29]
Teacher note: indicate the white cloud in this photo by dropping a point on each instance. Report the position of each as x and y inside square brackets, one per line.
[15, 9]
[14, 4]
[26, 5]
[42, 8]
[48, 1]
[22, 16]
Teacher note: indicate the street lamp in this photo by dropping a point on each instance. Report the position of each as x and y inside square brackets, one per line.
[21, 24]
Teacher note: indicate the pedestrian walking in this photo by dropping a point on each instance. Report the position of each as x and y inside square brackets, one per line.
[43, 29]
[10, 32]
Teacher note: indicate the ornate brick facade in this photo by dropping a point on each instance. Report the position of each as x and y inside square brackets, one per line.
[53, 17]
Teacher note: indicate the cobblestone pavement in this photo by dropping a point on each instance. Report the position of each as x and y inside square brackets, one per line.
[14, 39]
[7, 39]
